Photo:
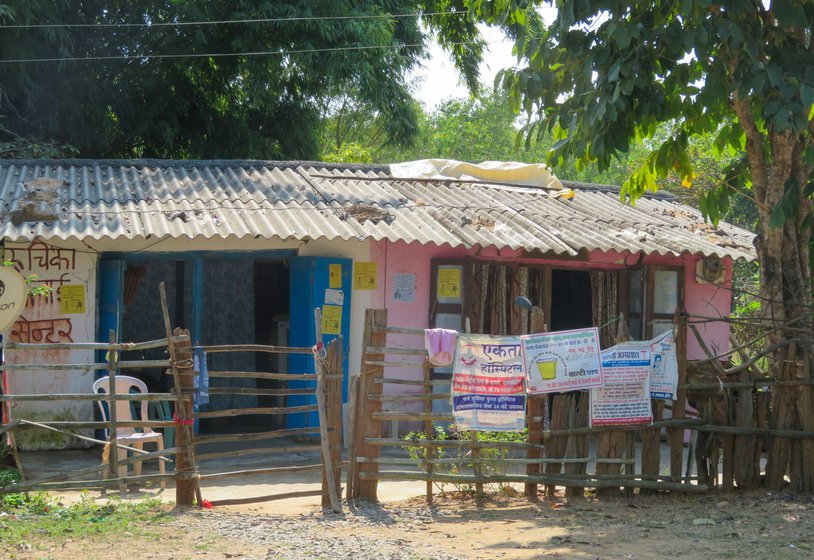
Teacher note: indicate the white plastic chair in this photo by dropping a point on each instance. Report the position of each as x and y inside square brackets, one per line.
[128, 436]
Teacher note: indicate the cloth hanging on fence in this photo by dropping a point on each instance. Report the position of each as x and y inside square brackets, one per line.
[440, 345]
[201, 377]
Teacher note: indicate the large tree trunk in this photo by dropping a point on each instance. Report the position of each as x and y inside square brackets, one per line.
[785, 291]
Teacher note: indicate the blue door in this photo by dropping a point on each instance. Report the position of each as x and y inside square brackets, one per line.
[323, 282]
[111, 293]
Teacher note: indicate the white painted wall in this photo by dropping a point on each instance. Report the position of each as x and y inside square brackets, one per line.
[45, 320]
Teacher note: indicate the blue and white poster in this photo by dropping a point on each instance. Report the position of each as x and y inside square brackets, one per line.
[488, 383]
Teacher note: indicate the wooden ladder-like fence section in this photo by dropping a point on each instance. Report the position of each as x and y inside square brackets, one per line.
[555, 453]
[102, 476]
[325, 385]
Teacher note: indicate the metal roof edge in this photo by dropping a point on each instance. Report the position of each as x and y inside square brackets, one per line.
[147, 162]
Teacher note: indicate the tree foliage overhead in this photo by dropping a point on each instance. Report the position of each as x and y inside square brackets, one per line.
[252, 105]
[609, 72]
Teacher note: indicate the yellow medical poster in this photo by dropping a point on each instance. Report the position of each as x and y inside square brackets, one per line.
[449, 283]
[364, 276]
[331, 319]
[72, 299]
[334, 276]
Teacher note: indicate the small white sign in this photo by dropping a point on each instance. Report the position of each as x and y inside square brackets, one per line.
[334, 297]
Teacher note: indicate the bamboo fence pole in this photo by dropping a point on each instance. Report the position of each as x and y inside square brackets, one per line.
[651, 441]
[185, 488]
[200, 456]
[350, 437]
[119, 347]
[270, 498]
[676, 435]
[555, 446]
[256, 348]
[232, 412]
[257, 436]
[747, 453]
[86, 397]
[429, 452]
[536, 410]
[112, 445]
[335, 435]
[131, 364]
[577, 444]
[321, 366]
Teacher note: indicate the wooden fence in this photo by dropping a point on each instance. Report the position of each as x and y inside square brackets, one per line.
[326, 390]
[95, 477]
[555, 453]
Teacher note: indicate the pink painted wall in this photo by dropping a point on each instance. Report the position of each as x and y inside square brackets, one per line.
[707, 300]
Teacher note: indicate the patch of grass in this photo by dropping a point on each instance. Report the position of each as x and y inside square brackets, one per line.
[8, 476]
[33, 516]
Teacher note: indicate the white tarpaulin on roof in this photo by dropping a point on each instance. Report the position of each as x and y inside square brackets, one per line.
[508, 172]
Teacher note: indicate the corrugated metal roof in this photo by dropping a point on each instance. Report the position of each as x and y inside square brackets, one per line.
[306, 200]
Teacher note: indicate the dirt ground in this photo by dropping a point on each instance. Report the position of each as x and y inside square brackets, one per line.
[758, 525]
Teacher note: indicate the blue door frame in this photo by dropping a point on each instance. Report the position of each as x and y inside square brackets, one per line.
[310, 278]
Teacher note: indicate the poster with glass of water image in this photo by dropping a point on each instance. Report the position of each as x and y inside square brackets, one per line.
[562, 360]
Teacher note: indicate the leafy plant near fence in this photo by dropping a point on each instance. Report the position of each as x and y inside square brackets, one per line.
[458, 460]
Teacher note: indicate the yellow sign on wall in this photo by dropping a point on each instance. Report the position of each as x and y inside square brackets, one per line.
[335, 276]
[72, 299]
[364, 276]
[449, 283]
[331, 319]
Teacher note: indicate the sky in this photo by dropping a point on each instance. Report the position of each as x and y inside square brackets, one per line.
[439, 80]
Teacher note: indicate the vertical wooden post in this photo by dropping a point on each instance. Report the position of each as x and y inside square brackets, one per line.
[429, 451]
[676, 436]
[555, 446]
[535, 415]
[186, 489]
[351, 436]
[651, 445]
[335, 436]
[187, 483]
[374, 337]
[747, 455]
[476, 465]
[113, 443]
[577, 445]
[322, 361]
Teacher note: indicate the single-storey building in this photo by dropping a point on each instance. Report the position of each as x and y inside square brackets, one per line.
[247, 249]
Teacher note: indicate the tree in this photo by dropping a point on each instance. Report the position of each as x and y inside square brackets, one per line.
[608, 72]
[149, 83]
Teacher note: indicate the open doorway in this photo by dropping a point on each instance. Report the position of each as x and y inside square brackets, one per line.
[232, 301]
[571, 300]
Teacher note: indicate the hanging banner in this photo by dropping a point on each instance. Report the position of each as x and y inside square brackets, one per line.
[562, 361]
[488, 390]
[625, 396]
[664, 375]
